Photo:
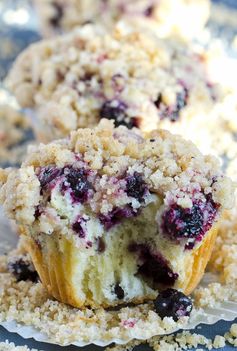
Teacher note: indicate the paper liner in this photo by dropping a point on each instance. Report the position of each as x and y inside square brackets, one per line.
[225, 311]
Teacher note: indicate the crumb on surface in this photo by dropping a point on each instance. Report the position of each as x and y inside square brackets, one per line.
[10, 346]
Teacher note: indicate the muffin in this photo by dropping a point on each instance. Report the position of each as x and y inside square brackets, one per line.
[15, 134]
[128, 75]
[180, 17]
[113, 215]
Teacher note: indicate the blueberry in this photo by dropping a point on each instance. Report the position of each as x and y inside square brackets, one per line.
[181, 102]
[77, 179]
[190, 223]
[183, 222]
[48, 174]
[172, 112]
[149, 11]
[153, 265]
[23, 270]
[136, 187]
[119, 292]
[101, 245]
[55, 20]
[173, 303]
[38, 212]
[78, 228]
[116, 216]
[116, 110]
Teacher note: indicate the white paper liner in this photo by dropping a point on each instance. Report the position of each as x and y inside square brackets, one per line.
[225, 311]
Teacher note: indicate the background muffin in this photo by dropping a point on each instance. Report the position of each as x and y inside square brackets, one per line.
[180, 17]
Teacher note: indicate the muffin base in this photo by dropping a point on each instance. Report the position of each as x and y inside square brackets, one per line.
[55, 270]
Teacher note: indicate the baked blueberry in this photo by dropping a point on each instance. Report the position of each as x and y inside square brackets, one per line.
[190, 223]
[48, 174]
[116, 110]
[173, 303]
[118, 290]
[153, 265]
[23, 270]
[77, 182]
[117, 215]
[55, 20]
[136, 187]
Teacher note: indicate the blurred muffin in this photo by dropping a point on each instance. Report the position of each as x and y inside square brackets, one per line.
[15, 134]
[112, 215]
[180, 17]
[128, 75]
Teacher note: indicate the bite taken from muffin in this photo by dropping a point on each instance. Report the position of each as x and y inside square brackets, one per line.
[114, 216]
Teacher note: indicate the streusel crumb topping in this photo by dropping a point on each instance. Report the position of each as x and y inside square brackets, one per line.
[170, 166]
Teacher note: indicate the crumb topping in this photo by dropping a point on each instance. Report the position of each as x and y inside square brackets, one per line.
[110, 163]
[125, 74]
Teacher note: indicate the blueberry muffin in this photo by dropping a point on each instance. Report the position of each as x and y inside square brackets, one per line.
[114, 215]
[180, 17]
[126, 75]
[15, 134]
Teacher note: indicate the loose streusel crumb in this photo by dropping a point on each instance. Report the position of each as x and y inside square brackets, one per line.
[231, 336]
[10, 346]
[182, 341]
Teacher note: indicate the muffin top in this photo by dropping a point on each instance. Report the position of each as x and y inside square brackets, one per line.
[108, 168]
[125, 74]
